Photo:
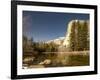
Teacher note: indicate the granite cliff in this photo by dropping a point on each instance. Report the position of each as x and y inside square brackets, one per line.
[76, 36]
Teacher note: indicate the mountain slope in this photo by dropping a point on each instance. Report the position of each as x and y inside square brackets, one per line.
[57, 41]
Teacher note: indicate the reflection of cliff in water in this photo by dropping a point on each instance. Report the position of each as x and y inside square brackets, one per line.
[59, 59]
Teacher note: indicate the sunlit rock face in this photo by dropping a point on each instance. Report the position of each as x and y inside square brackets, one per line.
[66, 41]
[67, 35]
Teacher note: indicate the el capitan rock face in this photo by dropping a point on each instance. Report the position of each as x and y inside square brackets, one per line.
[77, 30]
[76, 37]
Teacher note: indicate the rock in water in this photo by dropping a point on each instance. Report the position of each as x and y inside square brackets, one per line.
[47, 61]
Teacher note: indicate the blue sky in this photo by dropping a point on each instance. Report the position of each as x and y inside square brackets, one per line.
[44, 26]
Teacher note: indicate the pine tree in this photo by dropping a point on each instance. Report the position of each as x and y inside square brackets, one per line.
[72, 37]
[82, 39]
[85, 36]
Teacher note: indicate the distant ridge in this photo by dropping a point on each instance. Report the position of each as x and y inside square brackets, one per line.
[57, 41]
